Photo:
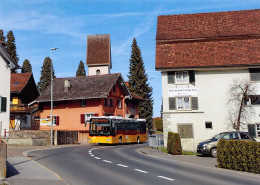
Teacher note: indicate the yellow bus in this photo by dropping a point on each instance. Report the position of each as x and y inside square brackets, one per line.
[117, 130]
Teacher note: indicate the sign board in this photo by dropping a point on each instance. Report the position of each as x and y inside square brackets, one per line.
[183, 92]
[45, 121]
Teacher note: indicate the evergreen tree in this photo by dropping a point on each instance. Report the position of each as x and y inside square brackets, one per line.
[27, 67]
[2, 38]
[81, 69]
[11, 47]
[139, 85]
[45, 78]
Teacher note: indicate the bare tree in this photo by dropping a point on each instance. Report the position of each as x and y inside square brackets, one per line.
[239, 107]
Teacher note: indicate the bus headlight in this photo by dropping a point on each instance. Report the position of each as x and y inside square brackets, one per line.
[108, 140]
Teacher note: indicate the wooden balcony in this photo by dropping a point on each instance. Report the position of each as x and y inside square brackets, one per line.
[23, 108]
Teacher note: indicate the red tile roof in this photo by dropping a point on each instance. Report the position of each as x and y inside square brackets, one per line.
[98, 50]
[208, 40]
[19, 81]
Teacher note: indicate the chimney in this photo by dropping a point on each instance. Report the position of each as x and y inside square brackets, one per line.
[66, 85]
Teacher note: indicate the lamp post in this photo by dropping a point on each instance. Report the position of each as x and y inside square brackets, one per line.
[52, 49]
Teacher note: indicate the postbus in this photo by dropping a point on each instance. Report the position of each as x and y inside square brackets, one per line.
[117, 130]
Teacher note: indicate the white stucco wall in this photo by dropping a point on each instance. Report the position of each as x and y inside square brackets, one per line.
[5, 92]
[212, 86]
[103, 70]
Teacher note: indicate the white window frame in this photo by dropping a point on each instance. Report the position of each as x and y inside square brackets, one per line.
[119, 104]
[183, 98]
[54, 120]
[88, 116]
[181, 79]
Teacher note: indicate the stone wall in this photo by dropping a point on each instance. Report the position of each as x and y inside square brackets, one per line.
[31, 134]
[3, 156]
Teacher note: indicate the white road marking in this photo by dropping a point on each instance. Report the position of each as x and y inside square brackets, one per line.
[92, 155]
[97, 157]
[107, 161]
[122, 165]
[141, 171]
[166, 178]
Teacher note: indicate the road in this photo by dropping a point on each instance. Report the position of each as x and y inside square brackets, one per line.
[117, 165]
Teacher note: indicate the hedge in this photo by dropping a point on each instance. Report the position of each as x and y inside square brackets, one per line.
[174, 144]
[159, 124]
[239, 155]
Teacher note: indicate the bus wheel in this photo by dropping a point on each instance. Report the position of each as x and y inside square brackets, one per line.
[138, 140]
[120, 140]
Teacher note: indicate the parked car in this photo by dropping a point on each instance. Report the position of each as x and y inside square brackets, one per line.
[209, 147]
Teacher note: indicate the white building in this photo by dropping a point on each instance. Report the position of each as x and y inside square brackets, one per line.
[6, 64]
[200, 56]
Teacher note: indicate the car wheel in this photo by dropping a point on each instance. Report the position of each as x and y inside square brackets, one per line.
[120, 140]
[213, 152]
[138, 141]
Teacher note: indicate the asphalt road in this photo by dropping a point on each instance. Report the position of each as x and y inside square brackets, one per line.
[117, 165]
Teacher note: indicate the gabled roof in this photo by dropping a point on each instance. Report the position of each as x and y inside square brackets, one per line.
[19, 81]
[9, 61]
[87, 87]
[208, 25]
[220, 39]
[98, 50]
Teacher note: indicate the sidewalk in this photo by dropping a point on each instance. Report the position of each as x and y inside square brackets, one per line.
[190, 159]
[23, 171]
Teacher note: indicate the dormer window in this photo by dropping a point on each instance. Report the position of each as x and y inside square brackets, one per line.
[98, 72]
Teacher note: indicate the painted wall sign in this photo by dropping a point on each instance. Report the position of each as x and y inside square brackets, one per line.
[183, 92]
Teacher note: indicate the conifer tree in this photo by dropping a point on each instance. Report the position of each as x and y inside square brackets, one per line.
[2, 38]
[27, 67]
[11, 47]
[81, 69]
[45, 78]
[139, 85]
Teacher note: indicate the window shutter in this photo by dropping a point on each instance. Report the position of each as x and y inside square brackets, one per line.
[251, 130]
[192, 76]
[57, 120]
[172, 103]
[194, 103]
[171, 79]
[3, 104]
[82, 118]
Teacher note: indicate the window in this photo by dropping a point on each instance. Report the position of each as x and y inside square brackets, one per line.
[119, 104]
[111, 104]
[55, 104]
[3, 104]
[182, 77]
[254, 74]
[114, 88]
[98, 72]
[88, 116]
[254, 99]
[185, 130]
[55, 120]
[106, 102]
[183, 103]
[231, 136]
[257, 130]
[83, 103]
[208, 124]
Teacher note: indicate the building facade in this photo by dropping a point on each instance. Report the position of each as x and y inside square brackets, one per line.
[6, 64]
[201, 56]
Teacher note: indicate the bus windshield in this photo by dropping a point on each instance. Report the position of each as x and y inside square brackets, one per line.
[99, 126]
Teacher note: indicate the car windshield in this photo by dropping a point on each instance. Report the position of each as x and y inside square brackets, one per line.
[216, 137]
[99, 126]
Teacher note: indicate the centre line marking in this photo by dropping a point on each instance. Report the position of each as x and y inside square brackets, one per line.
[97, 157]
[107, 161]
[92, 155]
[141, 171]
[166, 178]
[122, 165]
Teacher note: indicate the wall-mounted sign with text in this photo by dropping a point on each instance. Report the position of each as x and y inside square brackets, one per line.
[183, 92]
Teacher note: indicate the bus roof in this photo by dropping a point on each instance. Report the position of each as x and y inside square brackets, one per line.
[117, 117]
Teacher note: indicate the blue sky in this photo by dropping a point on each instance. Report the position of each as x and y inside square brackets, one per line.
[39, 25]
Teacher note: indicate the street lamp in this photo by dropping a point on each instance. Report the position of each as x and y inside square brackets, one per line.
[52, 49]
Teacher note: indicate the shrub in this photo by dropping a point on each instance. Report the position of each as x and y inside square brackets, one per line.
[159, 124]
[239, 155]
[174, 144]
